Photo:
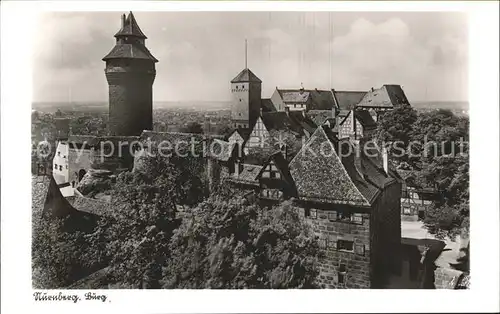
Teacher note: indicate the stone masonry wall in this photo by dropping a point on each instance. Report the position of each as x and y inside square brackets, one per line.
[357, 262]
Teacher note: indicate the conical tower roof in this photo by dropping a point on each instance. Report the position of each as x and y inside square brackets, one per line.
[130, 27]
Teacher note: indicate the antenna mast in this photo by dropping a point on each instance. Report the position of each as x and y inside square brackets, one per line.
[246, 54]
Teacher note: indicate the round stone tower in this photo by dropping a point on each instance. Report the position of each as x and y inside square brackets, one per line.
[130, 72]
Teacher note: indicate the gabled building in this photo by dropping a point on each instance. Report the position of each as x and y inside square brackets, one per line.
[275, 181]
[382, 99]
[353, 203]
[302, 99]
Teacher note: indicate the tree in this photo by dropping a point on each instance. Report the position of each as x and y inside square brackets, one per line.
[142, 222]
[63, 251]
[438, 155]
[193, 127]
[231, 244]
[395, 127]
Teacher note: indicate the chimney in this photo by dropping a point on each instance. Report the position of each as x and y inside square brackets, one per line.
[123, 20]
[385, 160]
[372, 89]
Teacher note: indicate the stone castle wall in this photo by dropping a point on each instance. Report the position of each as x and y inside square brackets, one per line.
[357, 262]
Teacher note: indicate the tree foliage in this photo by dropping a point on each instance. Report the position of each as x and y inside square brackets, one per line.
[396, 127]
[232, 245]
[63, 251]
[437, 151]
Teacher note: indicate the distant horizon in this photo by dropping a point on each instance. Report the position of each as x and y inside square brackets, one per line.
[213, 101]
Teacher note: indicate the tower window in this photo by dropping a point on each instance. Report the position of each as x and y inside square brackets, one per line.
[240, 99]
[345, 245]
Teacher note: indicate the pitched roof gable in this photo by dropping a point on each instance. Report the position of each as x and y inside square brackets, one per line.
[246, 76]
[388, 96]
[347, 100]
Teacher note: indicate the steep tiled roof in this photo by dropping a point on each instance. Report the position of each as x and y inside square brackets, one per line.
[295, 96]
[318, 99]
[346, 100]
[365, 118]
[130, 28]
[388, 96]
[267, 105]
[321, 177]
[294, 121]
[321, 174]
[321, 99]
[246, 76]
[130, 51]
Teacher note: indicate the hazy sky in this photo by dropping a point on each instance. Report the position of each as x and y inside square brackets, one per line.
[200, 52]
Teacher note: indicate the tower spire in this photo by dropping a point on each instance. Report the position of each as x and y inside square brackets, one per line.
[246, 54]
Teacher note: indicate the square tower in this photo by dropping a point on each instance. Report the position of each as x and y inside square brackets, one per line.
[246, 91]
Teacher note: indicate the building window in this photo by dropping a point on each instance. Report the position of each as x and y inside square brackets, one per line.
[313, 213]
[73, 184]
[55, 166]
[357, 218]
[66, 166]
[342, 216]
[236, 86]
[345, 245]
[332, 216]
[60, 168]
[58, 153]
[240, 99]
